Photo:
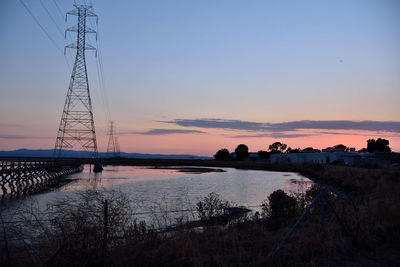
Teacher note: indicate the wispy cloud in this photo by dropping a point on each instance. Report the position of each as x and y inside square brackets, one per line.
[166, 131]
[377, 133]
[272, 135]
[386, 126]
[220, 124]
[15, 136]
[239, 125]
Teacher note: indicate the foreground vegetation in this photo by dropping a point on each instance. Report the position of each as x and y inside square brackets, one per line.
[361, 227]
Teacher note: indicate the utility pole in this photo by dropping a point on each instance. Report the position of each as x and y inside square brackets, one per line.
[112, 147]
[77, 124]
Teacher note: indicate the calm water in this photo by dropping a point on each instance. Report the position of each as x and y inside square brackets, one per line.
[169, 189]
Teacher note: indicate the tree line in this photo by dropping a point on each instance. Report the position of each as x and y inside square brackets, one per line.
[242, 151]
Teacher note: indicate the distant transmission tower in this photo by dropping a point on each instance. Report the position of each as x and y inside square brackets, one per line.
[77, 124]
[112, 147]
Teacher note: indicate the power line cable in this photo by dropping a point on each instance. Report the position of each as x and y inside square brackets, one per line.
[100, 70]
[58, 8]
[104, 88]
[45, 31]
[56, 24]
[62, 16]
[101, 90]
[41, 27]
[51, 17]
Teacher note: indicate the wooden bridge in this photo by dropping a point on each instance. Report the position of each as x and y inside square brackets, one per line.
[26, 176]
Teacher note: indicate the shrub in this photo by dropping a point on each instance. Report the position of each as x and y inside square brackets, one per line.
[70, 231]
[278, 208]
[212, 206]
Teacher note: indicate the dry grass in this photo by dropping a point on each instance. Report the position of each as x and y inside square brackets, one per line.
[362, 228]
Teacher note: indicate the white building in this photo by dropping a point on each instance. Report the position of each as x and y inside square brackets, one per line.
[347, 158]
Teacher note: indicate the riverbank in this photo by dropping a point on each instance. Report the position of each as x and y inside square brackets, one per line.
[361, 228]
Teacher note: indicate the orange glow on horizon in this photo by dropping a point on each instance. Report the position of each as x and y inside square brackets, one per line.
[209, 143]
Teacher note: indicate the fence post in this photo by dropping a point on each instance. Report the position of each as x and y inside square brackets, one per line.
[105, 233]
[295, 225]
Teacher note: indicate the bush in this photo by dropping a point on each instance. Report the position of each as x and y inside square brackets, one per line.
[279, 204]
[70, 231]
[279, 208]
[78, 224]
[212, 206]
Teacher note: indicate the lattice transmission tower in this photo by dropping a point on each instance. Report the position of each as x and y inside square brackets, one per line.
[77, 124]
[112, 147]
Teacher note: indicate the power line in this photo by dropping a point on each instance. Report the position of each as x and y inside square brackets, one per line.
[51, 17]
[62, 16]
[104, 90]
[41, 27]
[100, 71]
[103, 97]
[44, 30]
[56, 24]
[58, 8]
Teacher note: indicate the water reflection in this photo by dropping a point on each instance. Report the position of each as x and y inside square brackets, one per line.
[165, 189]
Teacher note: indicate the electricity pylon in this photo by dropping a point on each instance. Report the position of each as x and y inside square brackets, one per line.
[112, 147]
[77, 124]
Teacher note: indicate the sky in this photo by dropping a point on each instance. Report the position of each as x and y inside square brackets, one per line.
[196, 76]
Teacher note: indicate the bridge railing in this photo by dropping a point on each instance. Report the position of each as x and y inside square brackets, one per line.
[23, 176]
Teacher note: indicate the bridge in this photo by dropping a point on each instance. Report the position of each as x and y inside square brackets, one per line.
[26, 176]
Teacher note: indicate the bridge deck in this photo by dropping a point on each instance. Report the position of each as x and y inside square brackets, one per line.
[22, 176]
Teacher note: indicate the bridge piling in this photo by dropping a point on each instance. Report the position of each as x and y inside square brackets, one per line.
[21, 177]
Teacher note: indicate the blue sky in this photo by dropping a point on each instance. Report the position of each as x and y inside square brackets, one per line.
[255, 61]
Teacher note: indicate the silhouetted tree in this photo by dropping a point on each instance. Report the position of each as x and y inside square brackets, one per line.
[379, 145]
[308, 149]
[341, 146]
[277, 147]
[242, 151]
[222, 154]
[363, 150]
[291, 150]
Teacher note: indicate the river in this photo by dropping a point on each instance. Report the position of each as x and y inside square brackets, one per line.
[154, 190]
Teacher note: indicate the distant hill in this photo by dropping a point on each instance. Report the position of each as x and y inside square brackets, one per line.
[84, 154]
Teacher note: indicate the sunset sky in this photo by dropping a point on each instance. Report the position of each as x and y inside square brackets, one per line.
[196, 76]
